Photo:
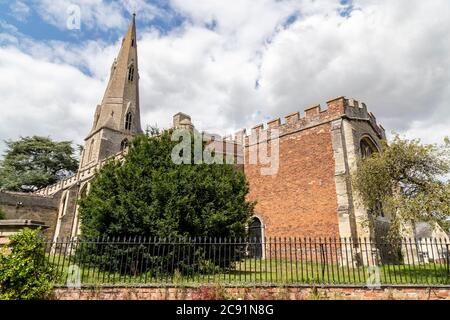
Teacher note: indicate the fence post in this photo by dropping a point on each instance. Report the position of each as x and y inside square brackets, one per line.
[447, 260]
[322, 258]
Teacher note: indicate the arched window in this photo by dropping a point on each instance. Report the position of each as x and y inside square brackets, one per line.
[128, 121]
[123, 144]
[367, 148]
[130, 73]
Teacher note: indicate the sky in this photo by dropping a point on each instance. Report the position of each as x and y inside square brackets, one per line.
[229, 64]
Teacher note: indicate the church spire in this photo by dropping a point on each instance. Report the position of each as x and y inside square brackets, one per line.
[125, 62]
[117, 118]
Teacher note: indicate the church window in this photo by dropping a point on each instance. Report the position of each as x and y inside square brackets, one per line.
[132, 42]
[128, 121]
[123, 144]
[367, 148]
[130, 73]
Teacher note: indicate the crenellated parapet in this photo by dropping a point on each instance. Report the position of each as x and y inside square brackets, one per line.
[340, 107]
[82, 175]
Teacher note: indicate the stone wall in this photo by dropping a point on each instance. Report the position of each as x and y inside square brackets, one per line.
[31, 207]
[255, 293]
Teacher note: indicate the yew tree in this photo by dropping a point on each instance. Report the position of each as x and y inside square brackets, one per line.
[147, 194]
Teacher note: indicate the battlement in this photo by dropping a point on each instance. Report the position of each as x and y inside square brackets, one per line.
[339, 107]
[82, 175]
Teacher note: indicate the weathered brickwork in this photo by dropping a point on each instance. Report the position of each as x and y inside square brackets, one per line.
[254, 293]
[310, 195]
[300, 200]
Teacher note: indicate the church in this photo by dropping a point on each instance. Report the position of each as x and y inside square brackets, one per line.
[309, 195]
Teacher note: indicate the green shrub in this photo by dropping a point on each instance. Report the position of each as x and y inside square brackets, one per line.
[24, 273]
[149, 195]
[2, 215]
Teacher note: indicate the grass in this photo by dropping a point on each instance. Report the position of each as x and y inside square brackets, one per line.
[259, 271]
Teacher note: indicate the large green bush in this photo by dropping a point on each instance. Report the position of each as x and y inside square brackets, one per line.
[24, 273]
[149, 195]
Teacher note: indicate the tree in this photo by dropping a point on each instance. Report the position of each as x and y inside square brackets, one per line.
[149, 195]
[34, 162]
[408, 182]
[24, 271]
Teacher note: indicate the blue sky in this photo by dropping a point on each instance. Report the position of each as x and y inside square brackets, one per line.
[31, 22]
[27, 17]
[230, 65]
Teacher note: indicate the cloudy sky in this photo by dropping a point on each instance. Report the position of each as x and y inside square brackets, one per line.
[230, 64]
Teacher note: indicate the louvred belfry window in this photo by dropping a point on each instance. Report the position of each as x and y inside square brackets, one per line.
[130, 73]
[128, 121]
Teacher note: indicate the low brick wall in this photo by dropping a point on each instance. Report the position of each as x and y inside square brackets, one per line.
[255, 293]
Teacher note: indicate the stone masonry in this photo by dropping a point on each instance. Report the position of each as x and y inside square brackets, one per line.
[252, 293]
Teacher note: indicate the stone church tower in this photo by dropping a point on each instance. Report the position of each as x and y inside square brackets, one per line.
[116, 121]
[117, 118]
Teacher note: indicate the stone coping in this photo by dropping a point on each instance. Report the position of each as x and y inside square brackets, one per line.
[22, 223]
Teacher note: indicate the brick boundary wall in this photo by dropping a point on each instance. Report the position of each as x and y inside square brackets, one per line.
[253, 293]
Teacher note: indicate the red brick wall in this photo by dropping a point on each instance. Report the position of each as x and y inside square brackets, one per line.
[299, 201]
[257, 293]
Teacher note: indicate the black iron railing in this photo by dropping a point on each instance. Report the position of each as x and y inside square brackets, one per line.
[271, 261]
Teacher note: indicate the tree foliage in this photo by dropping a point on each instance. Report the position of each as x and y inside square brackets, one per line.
[24, 271]
[2, 214]
[410, 181]
[148, 195]
[34, 162]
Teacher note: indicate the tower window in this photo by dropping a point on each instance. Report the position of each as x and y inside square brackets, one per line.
[130, 73]
[128, 121]
[132, 42]
[367, 148]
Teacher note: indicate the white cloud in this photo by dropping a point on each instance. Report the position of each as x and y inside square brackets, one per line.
[96, 14]
[393, 55]
[93, 13]
[20, 10]
[44, 98]
[397, 65]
